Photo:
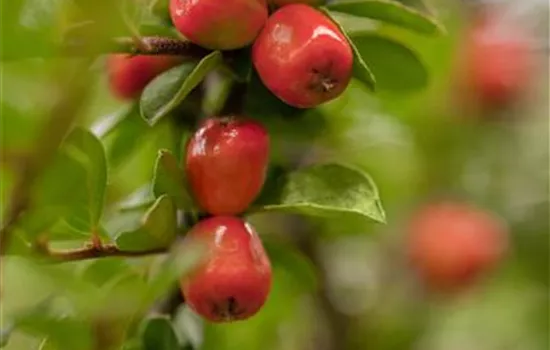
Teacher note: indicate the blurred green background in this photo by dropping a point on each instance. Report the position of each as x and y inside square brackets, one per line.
[348, 286]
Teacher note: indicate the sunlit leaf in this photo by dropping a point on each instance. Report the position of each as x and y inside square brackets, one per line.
[327, 190]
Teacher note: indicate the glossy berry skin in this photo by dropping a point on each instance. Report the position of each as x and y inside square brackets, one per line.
[128, 75]
[302, 57]
[226, 163]
[219, 25]
[452, 245]
[497, 61]
[234, 279]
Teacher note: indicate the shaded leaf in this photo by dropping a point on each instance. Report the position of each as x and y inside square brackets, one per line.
[327, 190]
[85, 147]
[395, 66]
[361, 70]
[159, 334]
[287, 257]
[72, 188]
[389, 11]
[157, 230]
[170, 179]
[169, 89]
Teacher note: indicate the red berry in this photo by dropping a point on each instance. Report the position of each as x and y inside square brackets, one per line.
[451, 245]
[497, 61]
[226, 164]
[128, 75]
[234, 281]
[219, 25]
[302, 57]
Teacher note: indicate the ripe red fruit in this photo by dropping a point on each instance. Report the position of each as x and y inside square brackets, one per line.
[234, 281]
[302, 57]
[226, 164]
[219, 25]
[128, 75]
[451, 245]
[497, 61]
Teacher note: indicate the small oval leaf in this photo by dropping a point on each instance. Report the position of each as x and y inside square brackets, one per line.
[170, 179]
[159, 334]
[169, 89]
[361, 71]
[327, 190]
[395, 66]
[158, 228]
[391, 12]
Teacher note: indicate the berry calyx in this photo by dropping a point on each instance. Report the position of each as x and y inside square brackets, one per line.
[234, 280]
[219, 25]
[226, 164]
[451, 245]
[302, 57]
[129, 75]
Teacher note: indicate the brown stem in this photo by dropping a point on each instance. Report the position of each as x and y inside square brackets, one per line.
[148, 45]
[94, 252]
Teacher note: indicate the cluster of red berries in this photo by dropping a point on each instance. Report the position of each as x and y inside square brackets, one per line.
[300, 55]
[226, 163]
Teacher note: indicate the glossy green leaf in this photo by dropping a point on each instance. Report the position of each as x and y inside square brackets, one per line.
[157, 230]
[159, 334]
[169, 89]
[327, 190]
[391, 12]
[170, 179]
[361, 70]
[396, 67]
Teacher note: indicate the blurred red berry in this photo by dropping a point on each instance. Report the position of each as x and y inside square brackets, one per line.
[451, 245]
[128, 75]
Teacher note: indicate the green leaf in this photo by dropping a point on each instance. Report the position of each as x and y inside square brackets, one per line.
[158, 228]
[170, 179]
[395, 66]
[328, 190]
[287, 257]
[85, 147]
[390, 12]
[169, 89]
[159, 334]
[361, 70]
[72, 188]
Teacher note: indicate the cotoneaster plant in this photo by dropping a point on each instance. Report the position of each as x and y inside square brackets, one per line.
[234, 279]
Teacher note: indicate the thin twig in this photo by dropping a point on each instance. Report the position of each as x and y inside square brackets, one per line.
[94, 252]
